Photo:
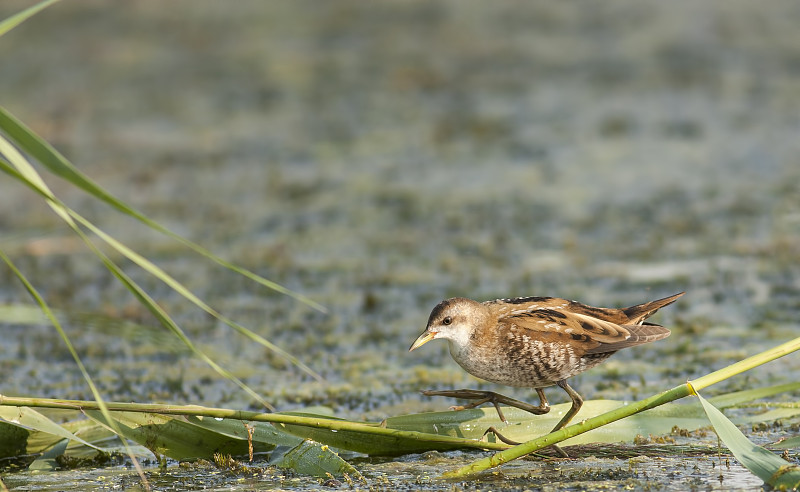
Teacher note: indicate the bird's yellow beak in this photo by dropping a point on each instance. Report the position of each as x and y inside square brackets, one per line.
[426, 337]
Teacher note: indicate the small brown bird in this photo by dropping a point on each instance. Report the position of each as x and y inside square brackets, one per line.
[534, 342]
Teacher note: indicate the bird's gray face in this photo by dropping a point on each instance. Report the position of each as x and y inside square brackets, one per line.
[453, 320]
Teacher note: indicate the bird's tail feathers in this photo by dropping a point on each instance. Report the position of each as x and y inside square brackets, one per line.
[640, 312]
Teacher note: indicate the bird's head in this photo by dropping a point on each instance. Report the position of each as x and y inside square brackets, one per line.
[454, 320]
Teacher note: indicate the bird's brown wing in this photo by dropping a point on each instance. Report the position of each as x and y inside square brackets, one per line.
[639, 334]
[549, 323]
[595, 336]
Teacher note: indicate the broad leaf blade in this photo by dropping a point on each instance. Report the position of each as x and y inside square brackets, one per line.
[174, 437]
[773, 470]
[262, 432]
[372, 444]
[50, 431]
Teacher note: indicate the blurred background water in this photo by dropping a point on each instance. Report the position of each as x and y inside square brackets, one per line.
[379, 157]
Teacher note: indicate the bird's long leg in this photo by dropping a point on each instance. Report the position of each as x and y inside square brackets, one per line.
[577, 403]
[493, 398]
[496, 398]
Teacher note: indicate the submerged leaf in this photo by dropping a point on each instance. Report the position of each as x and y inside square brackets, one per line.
[313, 458]
[791, 443]
[13, 440]
[47, 461]
[772, 469]
[22, 314]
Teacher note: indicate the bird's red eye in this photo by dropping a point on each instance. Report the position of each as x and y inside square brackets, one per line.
[447, 320]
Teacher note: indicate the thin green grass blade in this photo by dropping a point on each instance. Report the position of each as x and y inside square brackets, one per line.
[45, 153]
[167, 321]
[34, 180]
[46, 309]
[773, 470]
[35, 183]
[157, 272]
[17, 19]
[95, 392]
[313, 458]
[28, 176]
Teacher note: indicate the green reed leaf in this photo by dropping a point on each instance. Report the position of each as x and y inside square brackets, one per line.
[772, 469]
[18, 18]
[41, 150]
